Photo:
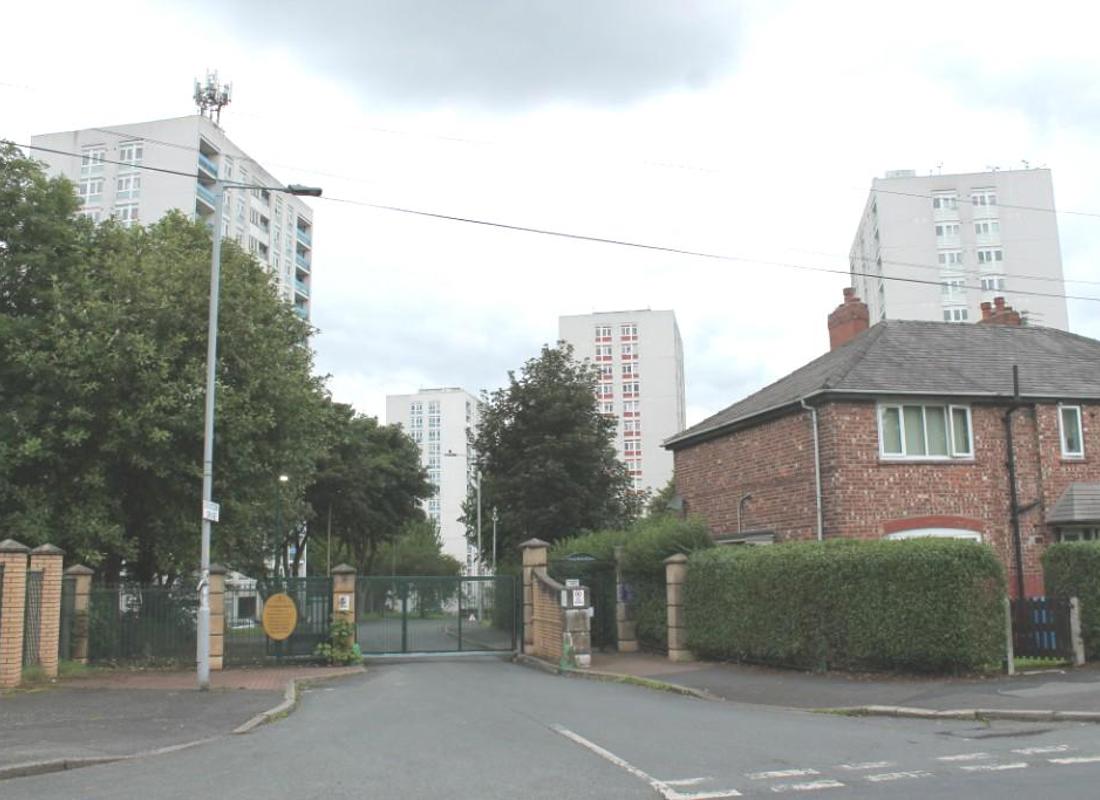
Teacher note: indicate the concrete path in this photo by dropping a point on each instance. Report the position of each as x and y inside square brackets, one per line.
[1062, 690]
[490, 729]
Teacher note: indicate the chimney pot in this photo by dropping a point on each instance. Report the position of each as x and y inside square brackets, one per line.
[848, 320]
[999, 303]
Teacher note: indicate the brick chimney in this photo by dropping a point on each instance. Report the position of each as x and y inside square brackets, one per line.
[997, 313]
[850, 319]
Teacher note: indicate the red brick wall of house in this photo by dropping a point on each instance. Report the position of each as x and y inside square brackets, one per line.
[868, 497]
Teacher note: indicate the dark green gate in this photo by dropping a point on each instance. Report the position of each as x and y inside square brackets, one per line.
[599, 577]
[245, 641]
[428, 614]
[32, 618]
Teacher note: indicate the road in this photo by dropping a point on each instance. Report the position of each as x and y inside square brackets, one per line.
[490, 729]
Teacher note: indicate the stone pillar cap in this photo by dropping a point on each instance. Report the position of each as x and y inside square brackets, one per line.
[47, 550]
[343, 569]
[677, 558]
[530, 543]
[12, 546]
[218, 569]
[79, 569]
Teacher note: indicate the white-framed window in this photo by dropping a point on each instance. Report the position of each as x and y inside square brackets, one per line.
[945, 200]
[984, 197]
[993, 283]
[433, 449]
[126, 214]
[433, 406]
[935, 533]
[1076, 534]
[947, 230]
[90, 190]
[605, 392]
[629, 352]
[986, 227]
[631, 427]
[417, 436]
[603, 352]
[128, 187]
[1069, 426]
[132, 152]
[631, 389]
[603, 332]
[93, 214]
[416, 407]
[952, 286]
[254, 216]
[950, 258]
[990, 255]
[433, 420]
[630, 371]
[91, 159]
[924, 431]
[956, 315]
[607, 408]
[630, 408]
[433, 435]
[628, 330]
[607, 372]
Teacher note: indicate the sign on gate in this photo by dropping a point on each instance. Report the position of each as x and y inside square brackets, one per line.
[280, 617]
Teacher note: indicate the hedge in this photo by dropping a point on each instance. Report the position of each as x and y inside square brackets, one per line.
[929, 605]
[1072, 569]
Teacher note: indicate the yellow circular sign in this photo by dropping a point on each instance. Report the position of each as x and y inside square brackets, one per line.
[280, 617]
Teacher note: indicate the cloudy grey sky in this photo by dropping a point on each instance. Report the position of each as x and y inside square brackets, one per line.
[751, 129]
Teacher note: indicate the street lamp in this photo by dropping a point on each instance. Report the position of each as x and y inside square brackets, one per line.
[495, 517]
[477, 484]
[280, 534]
[209, 507]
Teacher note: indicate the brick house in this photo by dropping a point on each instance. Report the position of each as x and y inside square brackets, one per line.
[902, 429]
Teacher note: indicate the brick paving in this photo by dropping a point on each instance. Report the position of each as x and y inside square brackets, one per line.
[264, 679]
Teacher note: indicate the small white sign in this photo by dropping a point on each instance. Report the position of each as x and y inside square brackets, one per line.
[571, 582]
[578, 598]
[210, 511]
[344, 603]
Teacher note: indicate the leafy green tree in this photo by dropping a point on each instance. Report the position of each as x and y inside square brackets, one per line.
[369, 481]
[102, 366]
[658, 503]
[547, 456]
[417, 550]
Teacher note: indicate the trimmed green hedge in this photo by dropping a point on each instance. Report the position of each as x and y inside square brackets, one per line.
[1072, 569]
[930, 605]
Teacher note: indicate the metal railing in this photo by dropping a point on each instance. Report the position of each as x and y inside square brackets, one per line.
[304, 237]
[300, 260]
[245, 640]
[208, 165]
[301, 287]
[142, 623]
[205, 194]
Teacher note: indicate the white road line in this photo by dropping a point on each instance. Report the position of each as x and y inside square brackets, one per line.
[882, 777]
[660, 787]
[781, 773]
[807, 787]
[868, 765]
[965, 757]
[1038, 751]
[685, 782]
[994, 767]
[1075, 760]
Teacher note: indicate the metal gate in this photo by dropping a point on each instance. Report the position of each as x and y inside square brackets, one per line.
[1041, 627]
[32, 618]
[428, 614]
[245, 641]
[599, 577]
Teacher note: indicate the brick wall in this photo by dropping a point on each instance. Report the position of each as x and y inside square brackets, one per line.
[867, 497]
[547, 619]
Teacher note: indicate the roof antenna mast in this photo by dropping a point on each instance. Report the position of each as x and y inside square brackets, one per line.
[211, 97]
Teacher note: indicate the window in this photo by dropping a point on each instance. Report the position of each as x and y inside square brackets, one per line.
[925, 431]
[433, 420]
[629, 352]
[254, 217]
[417, 436]
[607, 408]
[952, 286]
[947, 229]
[90, 191]
[629, 330]
[630, 371]
[945, 201]
[630, 408]
[990, 256]
[987, 227]
[631, 428]
[126, 214]
[605, 392]
[91, 160]
[984, 197]
[433, 435]
[131, 152]
[631, 389]
[1078, 534]
[955, 315]
[416, 422]
[950, 258]
[433, 407]
[603, 332]
[603, 352]
[91, 213]
[606, 372]
[1069, 422]
[128, 187]
[993, 283]
[936, 533]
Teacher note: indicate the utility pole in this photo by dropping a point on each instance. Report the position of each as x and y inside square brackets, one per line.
[494, 517]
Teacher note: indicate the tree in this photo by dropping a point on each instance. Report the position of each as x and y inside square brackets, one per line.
[102, 364]
[659, 502]
[370, 481]
[547, 455]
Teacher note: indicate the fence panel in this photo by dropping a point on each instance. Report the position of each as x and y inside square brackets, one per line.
[1041, 627]
[68, 613]
[142, 623]
[245, 641]
[32, 618]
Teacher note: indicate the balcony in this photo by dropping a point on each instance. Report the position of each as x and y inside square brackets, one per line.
[301, 310]
[206, 196]
[304, 237]
[300, 260]
[301, 287]
[208, 166]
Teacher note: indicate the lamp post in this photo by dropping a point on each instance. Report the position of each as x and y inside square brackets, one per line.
[494, 517]
[280, 536]
[478, 563]
[209, 508]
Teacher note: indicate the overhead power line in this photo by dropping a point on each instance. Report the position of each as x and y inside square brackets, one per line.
[648, 247]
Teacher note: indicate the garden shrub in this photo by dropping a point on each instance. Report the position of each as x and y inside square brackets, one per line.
[1072, 569]
[930, 605]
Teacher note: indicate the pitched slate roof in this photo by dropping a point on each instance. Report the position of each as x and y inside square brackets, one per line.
[899, 357]
[1080, 502]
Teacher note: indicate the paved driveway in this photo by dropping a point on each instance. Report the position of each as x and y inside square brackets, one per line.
[431, 635]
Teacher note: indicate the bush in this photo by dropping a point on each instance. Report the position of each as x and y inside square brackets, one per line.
[929, 605]
[341, 649]
[1072, 569]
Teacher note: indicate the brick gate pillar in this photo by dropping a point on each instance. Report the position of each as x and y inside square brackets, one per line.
[48, 558]
[536, 554]
[82, 592]
[13, 562]
[675, 575]
[343, 596]
[217, 616]
[625, 626]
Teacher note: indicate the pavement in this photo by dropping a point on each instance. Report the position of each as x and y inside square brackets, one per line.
[117, 713]
[489, 729]
[1066, 690]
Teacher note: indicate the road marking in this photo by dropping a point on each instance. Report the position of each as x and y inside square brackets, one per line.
[898, 776]
[1038, 751]
[1075, 760]
[965, 757]
[658, 786]
[781, 773]
[807, 787]
[685, 782]
[994, 767]
[868, 765]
